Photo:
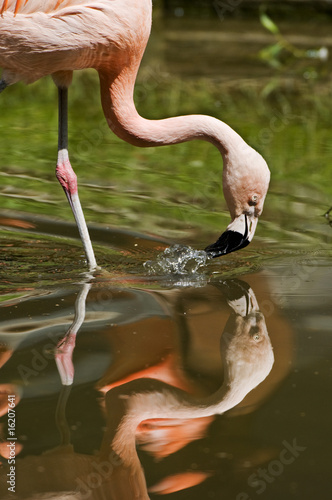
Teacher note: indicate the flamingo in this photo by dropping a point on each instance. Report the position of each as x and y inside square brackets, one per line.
[56, 37]
[247, 356]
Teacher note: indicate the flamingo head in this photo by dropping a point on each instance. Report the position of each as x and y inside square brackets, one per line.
[246, 180]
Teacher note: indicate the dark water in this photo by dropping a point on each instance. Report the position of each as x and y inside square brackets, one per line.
[176, 341]
[216, 379]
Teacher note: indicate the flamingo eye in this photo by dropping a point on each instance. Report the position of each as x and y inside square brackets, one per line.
[254, 333]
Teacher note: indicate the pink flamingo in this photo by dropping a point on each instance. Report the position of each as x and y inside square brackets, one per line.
[55, 37]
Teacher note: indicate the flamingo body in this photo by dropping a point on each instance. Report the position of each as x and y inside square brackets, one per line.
[56, 37]
[47, 37]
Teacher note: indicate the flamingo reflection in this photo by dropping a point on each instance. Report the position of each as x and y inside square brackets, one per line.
[149, 410]
[160, 385]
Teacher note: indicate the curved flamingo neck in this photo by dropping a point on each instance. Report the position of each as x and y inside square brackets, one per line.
[152, 399]
[123, 119]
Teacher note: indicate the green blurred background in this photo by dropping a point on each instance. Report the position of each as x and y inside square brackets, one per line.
[264, 68]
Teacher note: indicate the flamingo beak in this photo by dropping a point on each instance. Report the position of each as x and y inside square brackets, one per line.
[238, 235]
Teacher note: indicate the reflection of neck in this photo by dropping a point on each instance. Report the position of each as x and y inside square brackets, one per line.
[143, 399]
[152, 399]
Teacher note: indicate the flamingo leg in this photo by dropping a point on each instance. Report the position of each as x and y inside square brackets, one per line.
[68, 180]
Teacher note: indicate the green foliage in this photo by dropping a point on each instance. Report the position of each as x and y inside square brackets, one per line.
[283, 55]
[268, 24]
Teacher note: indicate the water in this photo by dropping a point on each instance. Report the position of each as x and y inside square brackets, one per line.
[134, 327]
[178, 260]
[155, 336]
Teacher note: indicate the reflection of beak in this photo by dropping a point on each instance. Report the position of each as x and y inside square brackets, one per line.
[238, 235]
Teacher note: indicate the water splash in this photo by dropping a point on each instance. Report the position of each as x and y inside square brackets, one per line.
[177, 260]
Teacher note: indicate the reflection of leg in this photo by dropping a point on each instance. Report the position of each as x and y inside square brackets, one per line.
[60, 416]
[65, 348]
[3, 85]
[64, 358]
[68, 180]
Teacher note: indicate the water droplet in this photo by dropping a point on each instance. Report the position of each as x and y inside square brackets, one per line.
[177, 260]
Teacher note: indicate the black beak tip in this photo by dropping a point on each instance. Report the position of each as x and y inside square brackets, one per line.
[214, 251]
[229, 241]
